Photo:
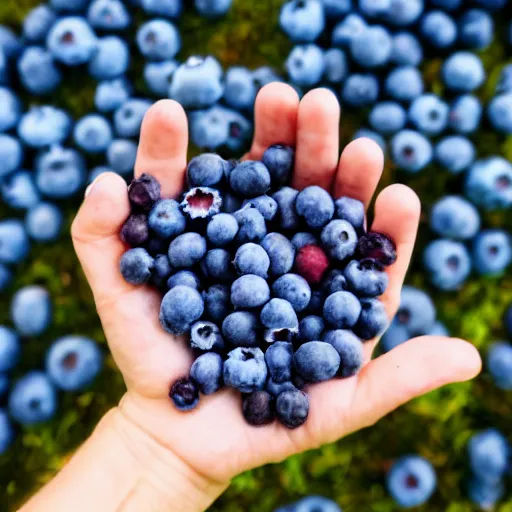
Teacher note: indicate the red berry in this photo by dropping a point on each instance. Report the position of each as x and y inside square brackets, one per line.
[311, 263]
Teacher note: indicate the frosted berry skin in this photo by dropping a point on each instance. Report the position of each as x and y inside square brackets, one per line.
[251, 225]
[249, 291]
[136, 266]
[250, 179]
[135, 231]
[185, 394]
[317, 361]
[206, 336]
[281, 253]
[258, 408]
[366, 278]
[242, 329]
[315, 206]
[206, 170]
[339, 239]
[292, 408]
[207, 373]
[279, 160]
[245, 369]
[378, 247]
[373, 320]
[350, 350]
[186, 250]
[144, 192]
[342, 310]
[264, 204]
[252, 259]
[294, 289]
[279, 359]
[180, 308]
[311, 263]
[166, 219]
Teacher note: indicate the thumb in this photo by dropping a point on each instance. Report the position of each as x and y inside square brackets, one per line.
[410, 370]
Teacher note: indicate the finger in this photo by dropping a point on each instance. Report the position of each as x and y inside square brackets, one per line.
[163, 146]
[317, 139]
[276, 110]
[339, 407]
[359, 170]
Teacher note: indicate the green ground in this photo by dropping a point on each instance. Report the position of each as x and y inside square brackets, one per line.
[351, 471]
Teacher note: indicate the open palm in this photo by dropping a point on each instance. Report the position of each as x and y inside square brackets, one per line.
[151, 359]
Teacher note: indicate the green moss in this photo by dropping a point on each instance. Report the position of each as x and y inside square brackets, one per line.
[352, 470]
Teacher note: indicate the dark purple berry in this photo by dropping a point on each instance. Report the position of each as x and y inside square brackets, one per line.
[377, 246]
[135, 231]
[258, 408]
[201, 203]
[144, 192]
[185, 394]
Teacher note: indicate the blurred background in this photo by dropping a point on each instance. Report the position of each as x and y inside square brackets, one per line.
[470, 305]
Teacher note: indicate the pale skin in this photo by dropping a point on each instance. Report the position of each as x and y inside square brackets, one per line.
[144, 454]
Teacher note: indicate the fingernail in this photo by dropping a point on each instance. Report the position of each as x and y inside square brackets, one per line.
[88, 190]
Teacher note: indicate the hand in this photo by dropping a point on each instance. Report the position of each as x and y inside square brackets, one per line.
[213, 442]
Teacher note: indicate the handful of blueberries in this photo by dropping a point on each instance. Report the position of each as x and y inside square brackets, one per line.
[275, 287]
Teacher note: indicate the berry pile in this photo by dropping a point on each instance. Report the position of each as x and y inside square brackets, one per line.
[275, 288]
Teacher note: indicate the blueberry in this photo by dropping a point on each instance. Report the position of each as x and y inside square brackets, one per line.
[10, 349]
[217, 303]
[157, 76]
[241, 329]
[111, 94]
[184, 393]
[19, 190]
[448, 264]
[463, 71]
[388, 117]
[38, 22]
[411, 481]
[212, 9]
[60, 172]
[489, 452]
[43, 222]
[300, 240]
[252, 259]
[93, 134]
[311, 328]
[438, 29]
[395, 335]
[275, 388]
[455, 217]
[207, 373]
[143, 192]
[136, 266]
[167, 8]
[374, 8]
[341, 310]
[292, 408]
[492, 251]
[360, 90]
[287, 217]
[455, 153]
[201, 203]
[316, 504]
[416, 312]
[371, 47]
[337, 8]
[505, 80]
[336, 65]
[499, 113]
[335, 281]
[158, 39]
[108, 15]
[378, 247]
[33, 399]
[351, 210]
[407, 50]
[305, 65]
[44, 126]
[73, 362]
[161, 271]
[180, 308]
[499, 362]
[166, 219]
[350, 26]
[339, 239]
[485, 494]
[476, 29]
[429, 114]
[350, 350]
[183, 278]
[404, 83]
[72, 41]
[245, 370]
[264, 204]
[14, 242]
[10, 109]
[222, 229]
[315, 205]
[111, 59]
[186, 250]
[239, 88]
[280, 320]
[250, 179]
[366, 278]
[294, 289]
[317, 361]
[249, 291]
[6, 432]
[5, 277]
[373, 320]
[281, 253]
[197, 83]
[128, 117]
[302, 20]
[411, 151]
[279, 359]
[206, 170]
[265, 75]
[404, 12]
[206, 336]
[258, 408]
[465, 114]
[489, 183]
[252, 227]
[218, 267]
